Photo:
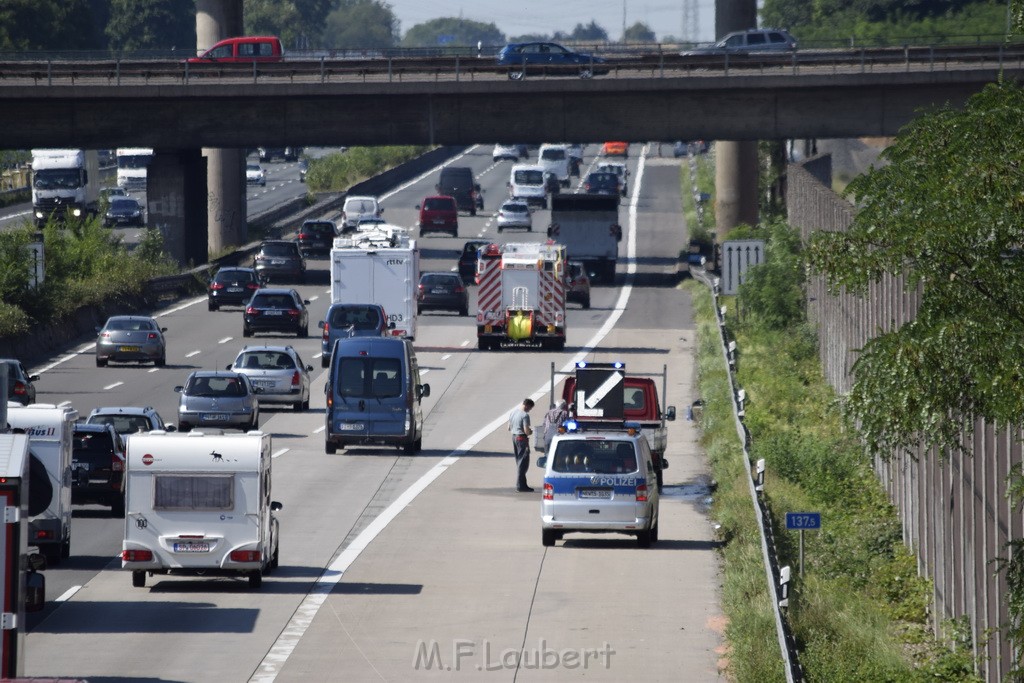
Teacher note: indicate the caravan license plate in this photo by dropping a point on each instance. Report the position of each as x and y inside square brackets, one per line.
[191, 547]
[604, 494]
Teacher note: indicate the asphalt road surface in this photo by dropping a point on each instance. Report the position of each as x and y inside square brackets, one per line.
[397, 567]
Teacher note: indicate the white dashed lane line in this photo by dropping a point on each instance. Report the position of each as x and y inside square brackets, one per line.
[63, 404]
[111, 386]
[280, 452]
[152, 370]
[446, 356]
[314, 298]
[66, 595]
[465, 343]
[225, 340]
[319, 429]
[424, 371]
[193, 353]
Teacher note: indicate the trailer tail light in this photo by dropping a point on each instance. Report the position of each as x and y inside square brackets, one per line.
[641, 493]
[245, 556]
[549, 491]
[137, 555]
[216, 286]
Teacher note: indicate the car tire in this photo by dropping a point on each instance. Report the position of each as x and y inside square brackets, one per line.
[101, 363]
[52, 554]
[499, 229]
[304, 332]
[585, 303]
[305, 404]
[184, 427]
[660, 476]
[654, 533]
[472, 212]
[464, 312]
[65, 549]
[330, 448]
[643, 538]
[586, 72]
[117, 507]
[212, 306]
[160, 362]
[409, 448]
[255, 579]
[324, 361]
[138, 578]
[246, 332]
[514, 75]
[548, 537]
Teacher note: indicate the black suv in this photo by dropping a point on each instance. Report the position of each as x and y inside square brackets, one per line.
[317, 237]
[280, 260]
[97, 463]
[602, 182]
[467, 260]
[281, 310]
[232, 286]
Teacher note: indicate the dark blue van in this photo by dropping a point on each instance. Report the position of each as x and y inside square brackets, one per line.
[374, 394]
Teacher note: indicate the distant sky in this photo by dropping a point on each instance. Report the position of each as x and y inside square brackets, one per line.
[517, 17]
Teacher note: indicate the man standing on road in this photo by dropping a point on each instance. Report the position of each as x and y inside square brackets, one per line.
[519, 425]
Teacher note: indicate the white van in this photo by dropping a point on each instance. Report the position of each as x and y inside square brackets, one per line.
[526, 183]
[555, 159]
[50, 430]
[199, 504]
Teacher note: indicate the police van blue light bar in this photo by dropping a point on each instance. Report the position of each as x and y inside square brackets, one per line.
[618, 365]
[571, 426]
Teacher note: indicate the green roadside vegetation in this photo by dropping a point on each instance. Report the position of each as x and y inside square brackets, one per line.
[86, 265]
[860, 611]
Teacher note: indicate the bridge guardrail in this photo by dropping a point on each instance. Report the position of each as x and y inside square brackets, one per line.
[659, 64]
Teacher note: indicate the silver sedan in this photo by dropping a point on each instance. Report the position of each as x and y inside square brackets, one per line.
[515, 214]
[278, 372]
[217, 399]
[131, 338]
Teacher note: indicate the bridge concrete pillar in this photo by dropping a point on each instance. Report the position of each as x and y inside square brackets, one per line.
[736, 176]
[176, 202]
[226, 208]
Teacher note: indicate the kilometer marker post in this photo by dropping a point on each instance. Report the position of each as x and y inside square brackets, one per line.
[803, 521]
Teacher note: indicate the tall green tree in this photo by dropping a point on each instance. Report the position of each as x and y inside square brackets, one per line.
[591, 33]
[452, 31]
[48, 25]
[361, 24]
[947, 212]
[639, 33]
[298, 23]
[152, 24]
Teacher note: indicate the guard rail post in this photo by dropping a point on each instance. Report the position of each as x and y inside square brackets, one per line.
[117, 70]
[322, 68]
[254, 72]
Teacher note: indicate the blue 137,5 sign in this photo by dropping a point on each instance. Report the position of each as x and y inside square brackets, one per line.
[803, 520]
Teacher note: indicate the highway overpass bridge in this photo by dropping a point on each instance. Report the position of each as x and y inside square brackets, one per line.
[179, 108]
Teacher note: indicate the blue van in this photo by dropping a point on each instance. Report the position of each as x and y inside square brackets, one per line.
[374, 395]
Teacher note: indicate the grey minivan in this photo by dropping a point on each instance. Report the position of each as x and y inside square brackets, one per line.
[374, 395]
[351, 320]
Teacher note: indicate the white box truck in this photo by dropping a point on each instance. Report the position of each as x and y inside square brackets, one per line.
[50, 430]
[132, 163]
[199, 504]
[65, 184]
[588, 226]
[380, 266]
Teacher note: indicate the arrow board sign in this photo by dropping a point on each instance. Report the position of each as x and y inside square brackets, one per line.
[739, 256]
[600, 392]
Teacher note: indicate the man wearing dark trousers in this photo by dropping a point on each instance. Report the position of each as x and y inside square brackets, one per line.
[519, 425]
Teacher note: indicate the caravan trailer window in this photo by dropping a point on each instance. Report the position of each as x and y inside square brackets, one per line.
[194, 492]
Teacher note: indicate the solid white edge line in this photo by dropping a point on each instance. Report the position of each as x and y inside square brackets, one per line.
[296, 627]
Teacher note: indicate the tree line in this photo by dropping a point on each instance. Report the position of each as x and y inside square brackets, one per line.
[131, 25]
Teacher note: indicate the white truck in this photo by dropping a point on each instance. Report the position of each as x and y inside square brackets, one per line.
[199, 504]
[50, 430]
[378, 266]
[526, 182]
[555, 159]
[521, 298]
[132, 163]
[65, 184]
[588, 226]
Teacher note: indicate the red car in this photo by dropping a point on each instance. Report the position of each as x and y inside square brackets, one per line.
[243, 49]
[439, 213]
[616, 149]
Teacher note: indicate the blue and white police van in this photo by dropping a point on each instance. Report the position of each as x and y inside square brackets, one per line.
[599, 480]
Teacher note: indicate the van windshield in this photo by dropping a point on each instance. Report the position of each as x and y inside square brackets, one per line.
[528, 178]
[370, 377]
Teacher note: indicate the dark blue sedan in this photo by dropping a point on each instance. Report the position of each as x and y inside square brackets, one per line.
[548, 59]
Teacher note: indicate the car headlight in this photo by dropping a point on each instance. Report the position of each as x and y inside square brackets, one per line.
[76, 212]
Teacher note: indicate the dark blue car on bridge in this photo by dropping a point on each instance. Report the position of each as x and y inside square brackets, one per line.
[549, 59]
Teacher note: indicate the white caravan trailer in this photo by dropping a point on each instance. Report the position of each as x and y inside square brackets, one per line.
[51, 441]
[199, 504]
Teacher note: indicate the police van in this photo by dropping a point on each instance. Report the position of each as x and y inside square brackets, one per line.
[599, 481]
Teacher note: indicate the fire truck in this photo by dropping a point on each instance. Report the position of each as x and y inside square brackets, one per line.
[521, 299]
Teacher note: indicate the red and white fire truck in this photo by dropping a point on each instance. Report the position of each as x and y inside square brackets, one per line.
[521, 300]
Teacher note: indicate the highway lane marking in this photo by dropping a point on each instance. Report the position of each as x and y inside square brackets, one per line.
[225, 340]
[152, 370]
[314, 298]
[280, 452]
[424, 371]
[320, 429]
[446, 356]
[301, 620]
[193, 353]
[111, 386]
[425, 175]
[318, 354]
[465, 343]
[66, 595]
